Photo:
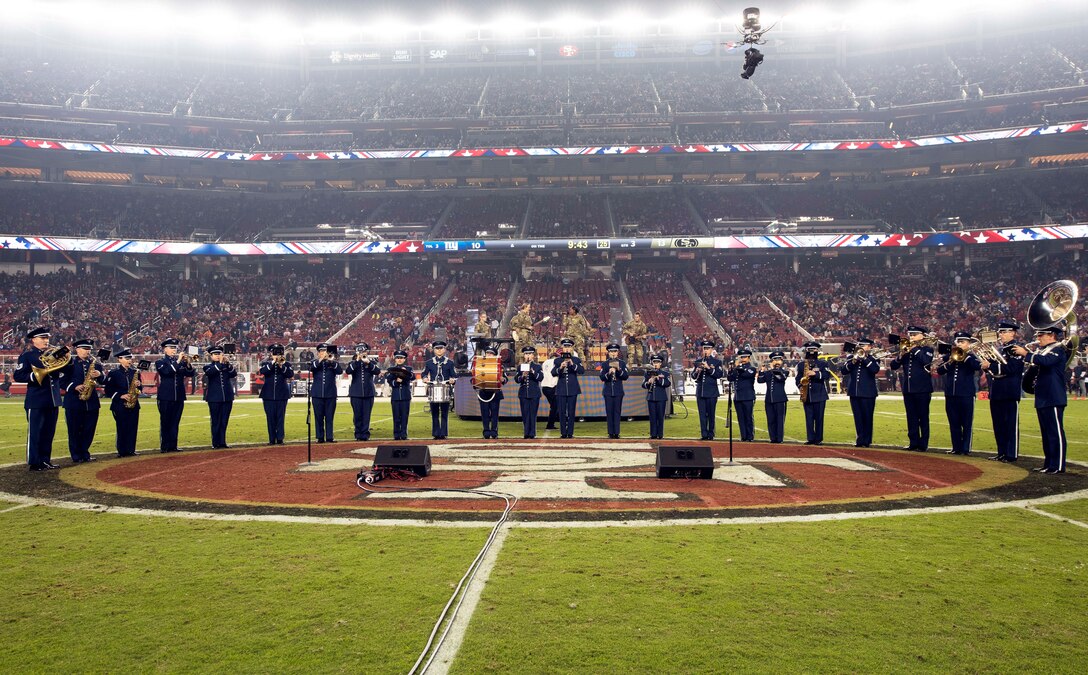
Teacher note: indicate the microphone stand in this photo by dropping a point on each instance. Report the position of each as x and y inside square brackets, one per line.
[729, 417]
[309, 433]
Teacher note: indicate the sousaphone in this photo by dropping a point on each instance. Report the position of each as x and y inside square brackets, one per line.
[1055, 304]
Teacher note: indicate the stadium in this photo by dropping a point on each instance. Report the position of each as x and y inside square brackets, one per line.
[295, 300]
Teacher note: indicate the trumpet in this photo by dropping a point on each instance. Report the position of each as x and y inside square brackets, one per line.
[279, 359]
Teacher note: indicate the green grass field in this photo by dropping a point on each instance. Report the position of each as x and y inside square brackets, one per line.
[989, 591]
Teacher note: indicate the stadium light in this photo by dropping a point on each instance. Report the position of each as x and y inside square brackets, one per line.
[629, 23]
[569, 24]
[508, 26]
[388, 28]
[688, 20]
[451, 27]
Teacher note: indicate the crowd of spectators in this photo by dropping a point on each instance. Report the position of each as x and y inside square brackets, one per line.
[472, 215]
[142, 89]
[568, 215]
[509, 96]
[654, 212]
[402, 297]
[483, 290]
[736, 293]
[616, 92]
[660, 297]
[1006, 198]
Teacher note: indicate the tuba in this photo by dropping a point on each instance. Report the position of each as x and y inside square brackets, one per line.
[1055, 304]
[53, 359]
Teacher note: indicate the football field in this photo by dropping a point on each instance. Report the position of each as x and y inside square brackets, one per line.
[989, 589]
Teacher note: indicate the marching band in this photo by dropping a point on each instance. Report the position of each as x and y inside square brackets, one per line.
[70, 377]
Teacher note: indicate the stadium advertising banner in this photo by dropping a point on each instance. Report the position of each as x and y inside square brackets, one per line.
[419, 247]
[472, 153]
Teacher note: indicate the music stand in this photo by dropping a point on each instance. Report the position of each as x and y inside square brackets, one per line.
[306, 368]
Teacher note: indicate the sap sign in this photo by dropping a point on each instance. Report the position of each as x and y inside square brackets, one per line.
[436, 54]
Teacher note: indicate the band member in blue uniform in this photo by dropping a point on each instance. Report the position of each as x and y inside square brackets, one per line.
[958, 371]
[567, 368]
[439, 371]
[815, 396]
[81, 406]
[400, 377]
[42, 402]
[363, 369]
[324, 372]
[219, 393]
[491, 401]
[171, 393]
[1049, 362]
[860, 371]
[774, 375]
[529, 376]
[656, 382]
[613, 374]
[124, 404]
[917, 387]
[742, 377]
[276, 392]
[1006, 382]
[706, 373]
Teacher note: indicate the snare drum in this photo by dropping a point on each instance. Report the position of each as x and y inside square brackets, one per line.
[438, 392]
[487, 373]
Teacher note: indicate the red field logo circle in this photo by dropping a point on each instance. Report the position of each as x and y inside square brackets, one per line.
[554, 479]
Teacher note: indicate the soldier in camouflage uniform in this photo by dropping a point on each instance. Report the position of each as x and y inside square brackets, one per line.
[634, 332]
[522, 323]
[577, 328]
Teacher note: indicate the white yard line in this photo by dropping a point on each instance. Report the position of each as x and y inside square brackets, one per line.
[1055, 516]
[444, 656]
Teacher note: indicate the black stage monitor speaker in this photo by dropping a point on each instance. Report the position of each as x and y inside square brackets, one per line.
[414, 458]
[684, 461]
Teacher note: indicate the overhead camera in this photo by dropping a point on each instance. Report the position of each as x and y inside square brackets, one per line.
[750, 22]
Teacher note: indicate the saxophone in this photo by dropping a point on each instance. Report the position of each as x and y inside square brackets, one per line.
[133, 391]
[807, 364]
[88, 382]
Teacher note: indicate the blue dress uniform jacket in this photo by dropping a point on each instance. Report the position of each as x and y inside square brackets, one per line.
[361, 394]
[916, 377]
[1006, 382]
[127, 419]
[529, 396]
[1050, 403]
[959, 399]
[221, 382]
[401, 401]
[529, 382]
[657, 399]
[171, 399]
[41, 404]
[81, 416]
[172, 374]
[362, 378]
[72, 376]
[613, 395]
[917, 386]
[743, 379]
[439, 370]
[220, 397]
[568, 378]
[817, 398]
[775, 402]
[862, 389]
[566, 392]
[275, 392]
[323, 376]
[706, 394]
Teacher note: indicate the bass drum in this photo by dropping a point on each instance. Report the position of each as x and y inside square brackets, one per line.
[487, 373]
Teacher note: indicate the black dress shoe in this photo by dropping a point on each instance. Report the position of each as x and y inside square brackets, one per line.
[50, 465]
[996, 458]
[1051, 472]
[39, 467]
[1040, 469]
[951, 452]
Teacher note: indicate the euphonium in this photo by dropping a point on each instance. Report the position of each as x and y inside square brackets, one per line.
[53, 359]
[133, 390]
[88, 382]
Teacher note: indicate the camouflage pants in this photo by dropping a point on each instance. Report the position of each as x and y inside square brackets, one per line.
[525, 339]
[635, 354]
